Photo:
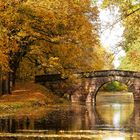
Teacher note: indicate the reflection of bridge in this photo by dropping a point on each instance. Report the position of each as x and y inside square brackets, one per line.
[93, 81]
[74, 117]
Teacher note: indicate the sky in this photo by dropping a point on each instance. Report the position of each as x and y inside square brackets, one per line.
[111, 36]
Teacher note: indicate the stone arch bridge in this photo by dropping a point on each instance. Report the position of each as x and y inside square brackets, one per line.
[93, 81]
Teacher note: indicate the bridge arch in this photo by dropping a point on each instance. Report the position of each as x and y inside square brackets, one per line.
[126, 82]
[99, 78]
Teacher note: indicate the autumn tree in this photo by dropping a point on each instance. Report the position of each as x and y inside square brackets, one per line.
[132, 39]
[130, 14]
[67, 42]
[70, 39]
[132, 58]
[107, 57]
[7, 42]
[54, 35]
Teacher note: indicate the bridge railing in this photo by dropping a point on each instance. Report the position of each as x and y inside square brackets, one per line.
[103, 73]
[106, 73]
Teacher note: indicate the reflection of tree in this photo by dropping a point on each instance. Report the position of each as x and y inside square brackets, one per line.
[75, 117]
[12, 125]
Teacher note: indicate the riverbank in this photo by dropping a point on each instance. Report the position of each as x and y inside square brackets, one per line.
[28, 99]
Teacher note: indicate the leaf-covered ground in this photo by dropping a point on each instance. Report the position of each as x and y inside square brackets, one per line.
[27, 99]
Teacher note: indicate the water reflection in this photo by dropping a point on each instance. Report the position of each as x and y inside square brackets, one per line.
[115, 114]
[115, 138]
[106, 121]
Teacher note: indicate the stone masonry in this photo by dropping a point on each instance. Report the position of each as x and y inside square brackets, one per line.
[93, 81]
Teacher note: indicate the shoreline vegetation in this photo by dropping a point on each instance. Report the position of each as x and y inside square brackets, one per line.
[28, 99]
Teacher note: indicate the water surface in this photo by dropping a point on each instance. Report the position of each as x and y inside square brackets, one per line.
[113, 118]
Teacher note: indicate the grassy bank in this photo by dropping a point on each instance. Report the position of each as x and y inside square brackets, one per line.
[29, 99]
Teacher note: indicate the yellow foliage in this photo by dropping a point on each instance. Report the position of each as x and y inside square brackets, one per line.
[58, 35]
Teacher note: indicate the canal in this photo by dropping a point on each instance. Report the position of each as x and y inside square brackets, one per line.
[115, 117]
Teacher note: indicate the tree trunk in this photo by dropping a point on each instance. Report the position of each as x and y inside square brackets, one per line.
[0, 83]
[12, 76]
[5, 84]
